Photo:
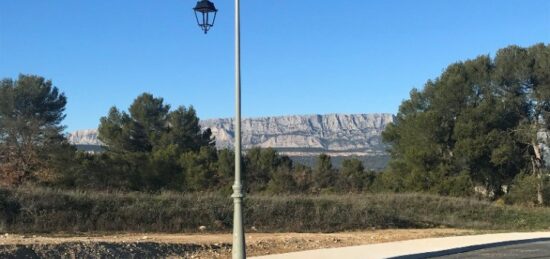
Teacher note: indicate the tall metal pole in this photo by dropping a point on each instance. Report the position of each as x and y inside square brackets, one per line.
[238, 250]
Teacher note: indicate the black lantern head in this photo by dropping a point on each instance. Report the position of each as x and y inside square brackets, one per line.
[204, 10]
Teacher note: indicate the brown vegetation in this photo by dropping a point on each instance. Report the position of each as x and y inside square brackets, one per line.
[25, 210]
[200, 245]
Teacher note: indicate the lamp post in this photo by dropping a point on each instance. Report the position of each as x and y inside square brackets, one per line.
[205, 8]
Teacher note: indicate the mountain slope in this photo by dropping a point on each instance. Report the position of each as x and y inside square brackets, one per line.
[358, 134]
[299, 136]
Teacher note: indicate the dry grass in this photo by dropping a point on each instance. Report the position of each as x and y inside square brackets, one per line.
[39, 210]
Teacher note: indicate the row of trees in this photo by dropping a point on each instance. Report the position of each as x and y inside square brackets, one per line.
[474, 130]
[151, 147]
[476, 127]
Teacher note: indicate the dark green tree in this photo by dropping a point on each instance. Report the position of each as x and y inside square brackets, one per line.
[259, 166]
[324, 176]
[353, 177]
[226, 170]
[31, 112]
[155, 148]
[137, 131]
[200, 170]
[185, 132]
[303, 177]
[475, 125]
[525, 73]
[282, 181]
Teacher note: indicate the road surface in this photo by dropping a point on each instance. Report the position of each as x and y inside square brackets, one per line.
[513, 245]
[539, 249]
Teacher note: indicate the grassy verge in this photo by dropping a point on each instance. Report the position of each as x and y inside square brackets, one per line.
[46, 210]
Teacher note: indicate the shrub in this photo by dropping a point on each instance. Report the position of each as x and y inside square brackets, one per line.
[49, 210]
[523, 191]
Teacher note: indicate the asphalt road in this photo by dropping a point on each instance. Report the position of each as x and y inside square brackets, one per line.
[539, 249]
[499, 245]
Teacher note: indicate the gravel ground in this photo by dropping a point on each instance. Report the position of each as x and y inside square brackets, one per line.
[195, 245]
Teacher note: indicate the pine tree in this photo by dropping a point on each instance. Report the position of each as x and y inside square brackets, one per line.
[156, 148]
[478, 120]
[323, 175]
[31, 112]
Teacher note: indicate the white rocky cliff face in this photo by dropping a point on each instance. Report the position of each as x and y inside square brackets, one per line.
[296, 135]
[343, 134]
[84, 137]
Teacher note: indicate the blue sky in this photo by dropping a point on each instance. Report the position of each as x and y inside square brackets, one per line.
[298, 57]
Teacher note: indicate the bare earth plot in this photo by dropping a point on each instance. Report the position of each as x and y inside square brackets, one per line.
[197, 245]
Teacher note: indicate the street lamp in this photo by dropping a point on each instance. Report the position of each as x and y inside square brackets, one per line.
[205, 7]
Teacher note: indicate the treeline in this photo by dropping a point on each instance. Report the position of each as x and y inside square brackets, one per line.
[150, 147]
[209, 170]
[477, 130]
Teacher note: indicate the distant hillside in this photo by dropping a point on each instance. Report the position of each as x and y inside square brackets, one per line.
[302, 137]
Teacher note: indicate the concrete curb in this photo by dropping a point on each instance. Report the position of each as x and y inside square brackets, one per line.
[418, 248]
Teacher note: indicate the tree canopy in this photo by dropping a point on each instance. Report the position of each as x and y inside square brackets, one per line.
[31, 112]
[156, 147]
[477, 122]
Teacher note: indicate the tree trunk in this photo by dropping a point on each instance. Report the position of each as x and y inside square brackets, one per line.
[537, 170]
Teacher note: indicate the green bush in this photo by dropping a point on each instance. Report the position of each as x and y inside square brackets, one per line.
[523, 191]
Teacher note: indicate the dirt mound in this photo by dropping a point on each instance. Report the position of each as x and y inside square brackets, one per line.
[140, 245]
[112, 250]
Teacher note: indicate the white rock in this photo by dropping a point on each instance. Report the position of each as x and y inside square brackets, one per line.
[84, 137]
[342, 134]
